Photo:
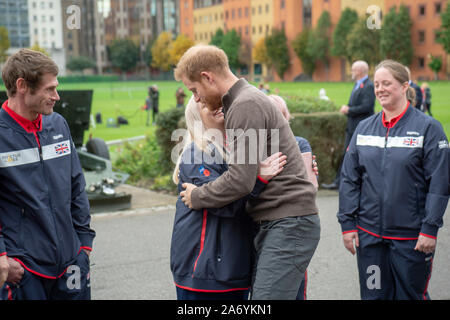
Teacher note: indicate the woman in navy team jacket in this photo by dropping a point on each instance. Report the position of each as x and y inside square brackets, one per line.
[394, 191]
[211, 249]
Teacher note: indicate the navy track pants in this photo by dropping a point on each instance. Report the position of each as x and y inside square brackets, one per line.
[392, 269]
[74, 284]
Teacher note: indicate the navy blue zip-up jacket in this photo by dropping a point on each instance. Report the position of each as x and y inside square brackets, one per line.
[395, 179]
[211, 249]
[44, 210]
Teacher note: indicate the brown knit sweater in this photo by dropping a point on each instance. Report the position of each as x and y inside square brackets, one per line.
[248, 110]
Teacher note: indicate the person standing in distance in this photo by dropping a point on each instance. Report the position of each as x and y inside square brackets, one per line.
[44, 209]
[394, 192]
[360, 106]
[285, 211]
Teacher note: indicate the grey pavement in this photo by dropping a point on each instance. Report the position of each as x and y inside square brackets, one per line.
[130, 260]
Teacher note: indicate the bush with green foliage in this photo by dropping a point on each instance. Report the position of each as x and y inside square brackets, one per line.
[326, 134]
[308, 104]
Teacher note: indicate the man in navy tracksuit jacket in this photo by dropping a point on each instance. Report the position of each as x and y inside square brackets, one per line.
[395, 187]
[44, 210]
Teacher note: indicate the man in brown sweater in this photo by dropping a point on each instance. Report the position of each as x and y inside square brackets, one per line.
[285, 212]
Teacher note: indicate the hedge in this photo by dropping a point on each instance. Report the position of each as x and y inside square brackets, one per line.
[325, 131]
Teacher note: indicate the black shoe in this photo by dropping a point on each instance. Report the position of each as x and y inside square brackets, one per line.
[331, 186]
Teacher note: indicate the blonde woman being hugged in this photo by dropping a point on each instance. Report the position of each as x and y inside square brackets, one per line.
[211, 255]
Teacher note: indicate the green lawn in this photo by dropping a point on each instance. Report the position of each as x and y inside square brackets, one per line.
[113, 99]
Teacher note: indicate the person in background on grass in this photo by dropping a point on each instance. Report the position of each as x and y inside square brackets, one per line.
[154, 96]
[44, 210]
[426, 93]
[211, 255]
[148, 106]
[285, 211]
[394, 191]
[180, 96]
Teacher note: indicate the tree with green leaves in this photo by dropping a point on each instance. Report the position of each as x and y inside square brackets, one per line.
[300, 45]
[364, 43]
[319, 40]
[435, 65]
[231, 43]
[217, 38]
[395, 36]
[79, 64]
[341, 33]
[278, 52]
[123, 54]
[444, 31]
[5, 44]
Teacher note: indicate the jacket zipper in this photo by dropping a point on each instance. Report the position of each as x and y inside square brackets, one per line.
[202, 239]
[58, 258]
[382, 169]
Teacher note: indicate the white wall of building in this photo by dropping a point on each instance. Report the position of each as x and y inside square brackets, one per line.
[46, 29]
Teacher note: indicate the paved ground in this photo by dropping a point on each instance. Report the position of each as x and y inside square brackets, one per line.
[131, 253]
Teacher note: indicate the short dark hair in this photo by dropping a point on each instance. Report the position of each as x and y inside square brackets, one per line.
[27, 64]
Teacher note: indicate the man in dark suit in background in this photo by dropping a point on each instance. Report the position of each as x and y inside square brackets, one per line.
[360, 106]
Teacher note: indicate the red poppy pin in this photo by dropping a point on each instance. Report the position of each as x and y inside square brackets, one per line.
[361, 85]
[204, 171]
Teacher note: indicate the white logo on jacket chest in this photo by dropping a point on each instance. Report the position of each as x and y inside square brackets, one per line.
[19, 157]
[391, 142]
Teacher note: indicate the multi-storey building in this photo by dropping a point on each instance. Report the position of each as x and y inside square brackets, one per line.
[45, 23]
[141, 20]
[85, 37]
[253, 19]
[14, 16]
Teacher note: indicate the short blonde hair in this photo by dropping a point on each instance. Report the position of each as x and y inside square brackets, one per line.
[201, 58]
[201, 140]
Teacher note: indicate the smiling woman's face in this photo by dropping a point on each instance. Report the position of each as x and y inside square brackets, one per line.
[389, 92]
[211, 119]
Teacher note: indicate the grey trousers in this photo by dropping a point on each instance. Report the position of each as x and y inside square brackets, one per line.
[284, 249]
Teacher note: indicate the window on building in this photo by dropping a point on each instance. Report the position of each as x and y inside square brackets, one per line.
[422, 10]
[421, 36]
[282, 4]
[437, 8]
[421, 62]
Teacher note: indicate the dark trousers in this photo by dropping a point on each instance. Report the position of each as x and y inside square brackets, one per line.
[284, 248]
[392, 269]
[183, 294]
[74, 284]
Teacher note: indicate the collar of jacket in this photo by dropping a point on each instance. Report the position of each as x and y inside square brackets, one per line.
[228, 98]
[398, 119]
[9, 121]
[29, 126]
